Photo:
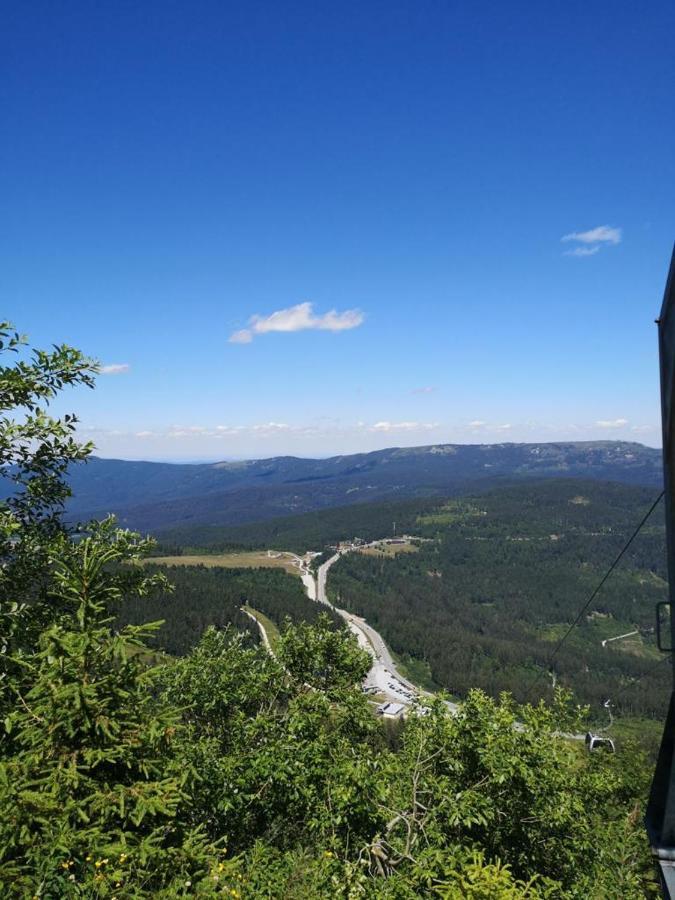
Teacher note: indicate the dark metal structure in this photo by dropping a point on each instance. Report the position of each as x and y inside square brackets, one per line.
[660, 818]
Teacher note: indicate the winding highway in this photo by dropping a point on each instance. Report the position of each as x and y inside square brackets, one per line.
[383, 678]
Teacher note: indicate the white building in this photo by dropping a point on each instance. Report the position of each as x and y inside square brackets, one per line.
[390, 709]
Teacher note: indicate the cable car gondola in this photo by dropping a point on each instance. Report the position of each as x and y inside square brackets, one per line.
[599, 742]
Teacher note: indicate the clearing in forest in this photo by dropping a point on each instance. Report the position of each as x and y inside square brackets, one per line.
[385, 549]
[254, 559]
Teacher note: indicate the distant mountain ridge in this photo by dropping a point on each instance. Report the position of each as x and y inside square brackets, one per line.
[153, 496]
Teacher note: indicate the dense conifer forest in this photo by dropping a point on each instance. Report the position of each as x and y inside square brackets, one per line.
[309, 531]
[499, 578]
[495, 581]
[199, 597]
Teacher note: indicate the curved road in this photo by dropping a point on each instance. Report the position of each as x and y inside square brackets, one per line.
[383, 678]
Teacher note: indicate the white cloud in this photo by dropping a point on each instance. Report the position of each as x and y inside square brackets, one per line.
[423, 390]
[583, 251]
[272, 426]
[477, 423]
[589, 242]
[643, 429]
[264, 429]
[297, 318]
[178, 431]
[601, 234]
[241, 337]
[611, 423]
[403, 426]
[219, 431]
[114, 369]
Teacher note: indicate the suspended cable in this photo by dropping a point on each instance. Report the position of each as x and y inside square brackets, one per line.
[599, 586]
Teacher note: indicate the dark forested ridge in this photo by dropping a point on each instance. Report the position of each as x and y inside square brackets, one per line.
[152, 496]
[486, 600]
[204, 596]
[299, 533]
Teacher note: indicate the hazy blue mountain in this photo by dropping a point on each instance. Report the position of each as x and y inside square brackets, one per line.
[151, 496]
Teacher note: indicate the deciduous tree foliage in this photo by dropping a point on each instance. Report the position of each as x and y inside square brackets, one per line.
[226, 772]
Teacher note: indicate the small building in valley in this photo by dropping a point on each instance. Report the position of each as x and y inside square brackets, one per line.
[390, 709]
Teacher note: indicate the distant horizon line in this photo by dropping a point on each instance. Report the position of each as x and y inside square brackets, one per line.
[211, 460]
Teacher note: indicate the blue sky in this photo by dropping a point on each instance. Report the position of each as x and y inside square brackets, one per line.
[175, 174]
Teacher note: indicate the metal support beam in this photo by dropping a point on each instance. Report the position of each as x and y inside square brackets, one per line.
[660, 818]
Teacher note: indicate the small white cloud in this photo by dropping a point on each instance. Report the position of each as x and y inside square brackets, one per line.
[403, 426]
[241, 337]
[297, 318]
[611, 423]
[477, 423]
[144, 434]
[271, 427]
[114, 369]
[505, 427]
[603, 234]
[643, 429]
[583, 251]
[423, 390]
[589, 242]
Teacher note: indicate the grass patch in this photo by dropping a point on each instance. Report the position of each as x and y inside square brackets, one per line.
[451, 512]
[254, 559]
[597, 628]
[644, 732]
[390, 549]
[271, 630]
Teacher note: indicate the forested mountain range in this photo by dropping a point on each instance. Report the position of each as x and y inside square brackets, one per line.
[152, 496]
